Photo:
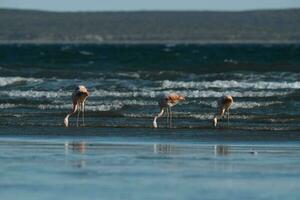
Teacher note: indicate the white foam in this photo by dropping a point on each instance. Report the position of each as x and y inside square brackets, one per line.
[86, 53]
[215, 94]
[249, 105]
[204, 116]
[125, 102]
[230, 84]
[144, 93]
[241, 104]
[7, 105]
[104, 107]
[56, 107]
[134, 75]
[100, 107]
[211, 115]
[136, 102]
[35, 94]
[4, 81]
[144, 115]
[188, 93]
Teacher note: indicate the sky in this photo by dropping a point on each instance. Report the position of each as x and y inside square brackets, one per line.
[125, 5]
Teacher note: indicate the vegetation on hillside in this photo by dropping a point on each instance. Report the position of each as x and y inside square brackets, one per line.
[150, 26]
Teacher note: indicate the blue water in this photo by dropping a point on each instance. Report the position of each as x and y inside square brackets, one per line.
[36, 83]
[117, 155]
[90, 167]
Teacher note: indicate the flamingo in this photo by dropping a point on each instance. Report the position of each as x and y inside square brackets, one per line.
[79, 97]
[165, 103]
[223, 106]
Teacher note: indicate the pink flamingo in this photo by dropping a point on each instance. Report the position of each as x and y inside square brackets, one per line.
[79, 97]
[223, 106]
[165, 103]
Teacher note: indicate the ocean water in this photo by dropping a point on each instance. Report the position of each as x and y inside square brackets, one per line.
[36, 83]
[117, 154]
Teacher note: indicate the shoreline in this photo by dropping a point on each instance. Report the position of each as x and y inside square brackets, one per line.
[194, 135]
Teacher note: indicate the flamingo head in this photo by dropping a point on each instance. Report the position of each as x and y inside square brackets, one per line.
[66, 121]
[83, 90]
[215, 121]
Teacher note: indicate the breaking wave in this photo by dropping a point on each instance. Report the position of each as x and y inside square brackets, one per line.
[35, 94]
[188, 93]
[142, 94]
[102, 107]
[4, 81]
[230, 84]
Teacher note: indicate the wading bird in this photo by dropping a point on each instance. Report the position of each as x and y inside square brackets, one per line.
[79, 97]
[165, 103]
[223, 106]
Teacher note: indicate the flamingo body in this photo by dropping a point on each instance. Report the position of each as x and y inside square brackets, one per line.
[165, 103]
[79, 97]
[224, 105]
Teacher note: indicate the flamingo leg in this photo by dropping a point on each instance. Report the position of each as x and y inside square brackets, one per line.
[158, 116]
[228, 118]
[83, 107]
[78, 115]
[170, 117]
[167, 116]
[77, 121]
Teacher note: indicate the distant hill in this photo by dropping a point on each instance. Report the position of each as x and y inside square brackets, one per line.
[150, 26]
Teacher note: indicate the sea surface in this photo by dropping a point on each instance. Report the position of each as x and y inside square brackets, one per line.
[117, 154]
[36, 83]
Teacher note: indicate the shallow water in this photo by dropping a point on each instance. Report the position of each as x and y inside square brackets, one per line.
[133, 167]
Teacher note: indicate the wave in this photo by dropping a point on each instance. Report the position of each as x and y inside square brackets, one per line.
[241, 104]
[90, 105]
[188, 93]
[161, 75]
[152, 94]
[230, 84]
[206, 116]
[159, 80]
[216, 94]
[249, 105]
[4, 81]
[209, 116]
[118, 104]
[8, 105]
[93, 108]
[101, 107]
[124, 102]
[36, 94]
[86, 53]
